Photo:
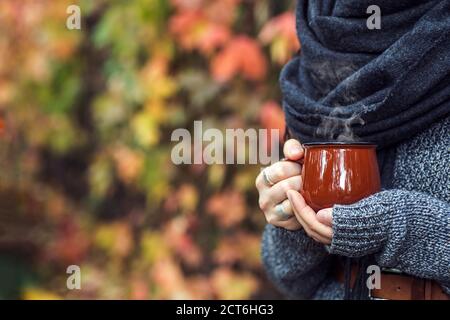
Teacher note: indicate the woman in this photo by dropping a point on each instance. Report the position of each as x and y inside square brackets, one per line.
[389, 86]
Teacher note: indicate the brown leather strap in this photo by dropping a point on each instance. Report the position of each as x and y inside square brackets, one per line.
[401, 287]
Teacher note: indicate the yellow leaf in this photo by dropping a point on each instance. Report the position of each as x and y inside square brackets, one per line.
[145, 129]
[39, 294]
[188, 197]
[230, 285]
[153, 247]
[216, 174]
[100, 177]
[115, 238]
[155, 81]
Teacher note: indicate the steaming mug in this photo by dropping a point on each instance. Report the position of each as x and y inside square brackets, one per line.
[338, 173]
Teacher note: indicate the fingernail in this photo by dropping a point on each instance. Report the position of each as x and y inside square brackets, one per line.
[324, 213]
[321, 214]
[295, 150]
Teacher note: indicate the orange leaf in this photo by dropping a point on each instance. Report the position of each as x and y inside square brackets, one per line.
[281, 34]
[139, 289]
[213, 37]
[194, 30]
[187, 4]
[222, 11]
[2, 126]
[169, 278]
[272, 117]
[242, 55]
[183, 25]
[225, 65]
[177, 235]
[128, 163]
[228, 208]
[219, 11]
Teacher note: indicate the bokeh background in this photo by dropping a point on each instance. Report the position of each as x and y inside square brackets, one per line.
[85, 123]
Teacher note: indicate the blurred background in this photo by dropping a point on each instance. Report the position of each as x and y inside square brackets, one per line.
[85, 123]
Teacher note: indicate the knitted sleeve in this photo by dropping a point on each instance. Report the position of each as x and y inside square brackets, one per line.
[406, 230]
[295, 263]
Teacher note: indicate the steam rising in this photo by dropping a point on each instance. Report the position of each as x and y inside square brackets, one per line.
[334, 128]
[325, 76]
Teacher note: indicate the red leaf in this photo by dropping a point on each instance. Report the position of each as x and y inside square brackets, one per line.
[213, 37]
[194, 30]
[272, 116]
[187, 4]
[243, 55]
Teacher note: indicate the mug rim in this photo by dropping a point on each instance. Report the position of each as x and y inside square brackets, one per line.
[339, 143]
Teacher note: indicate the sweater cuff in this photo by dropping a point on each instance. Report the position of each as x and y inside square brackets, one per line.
[361, 228]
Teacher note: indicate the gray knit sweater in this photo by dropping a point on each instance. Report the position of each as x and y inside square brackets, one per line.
[407, 227]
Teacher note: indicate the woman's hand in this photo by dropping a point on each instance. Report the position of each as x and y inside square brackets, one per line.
[316, 225]
[283, 205]
[273, 183]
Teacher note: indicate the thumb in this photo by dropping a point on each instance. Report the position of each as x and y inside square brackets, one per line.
[325, 216]
[293, 150]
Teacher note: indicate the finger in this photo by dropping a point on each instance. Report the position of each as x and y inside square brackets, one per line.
[308, 215]
[277, 172]
[305, 226]
[273, 217]
[312, 234]
[268, 202]
[325, 217]
[260, 182]
[277, 193]
[285, 208]
[293, 150]
[292, 224]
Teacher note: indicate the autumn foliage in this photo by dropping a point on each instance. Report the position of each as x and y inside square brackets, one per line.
[85, 124]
